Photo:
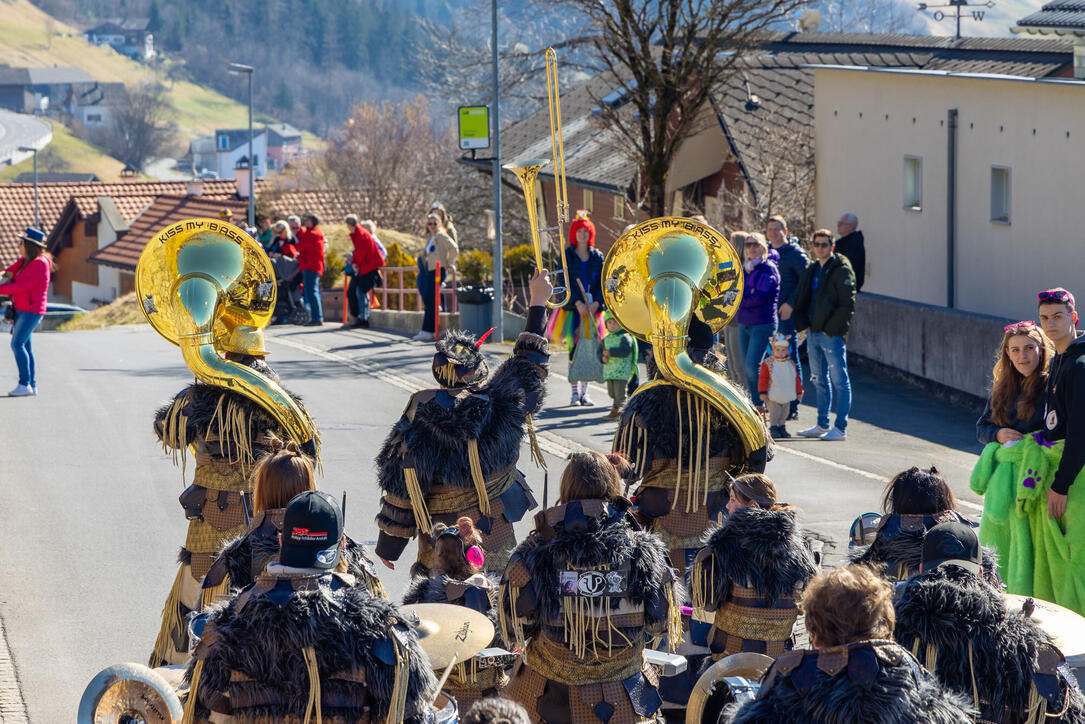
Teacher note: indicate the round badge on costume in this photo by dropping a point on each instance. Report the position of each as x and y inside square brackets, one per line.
[1051, 420]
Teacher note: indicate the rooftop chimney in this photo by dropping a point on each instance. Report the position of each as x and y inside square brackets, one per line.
[195, 187]
[242, 181]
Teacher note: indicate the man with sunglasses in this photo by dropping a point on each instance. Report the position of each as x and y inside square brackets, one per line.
[825, 305]
[1064, 417]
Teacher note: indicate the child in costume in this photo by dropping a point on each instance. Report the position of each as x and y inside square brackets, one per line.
[778, 385]
[618, 353]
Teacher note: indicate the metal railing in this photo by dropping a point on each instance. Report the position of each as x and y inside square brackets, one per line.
[395, 288]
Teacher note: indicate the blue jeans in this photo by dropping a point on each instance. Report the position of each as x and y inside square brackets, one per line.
[427, 283]
[787, 328]
[753, 340]
[311, 295]
[829, 364]
[25, 324]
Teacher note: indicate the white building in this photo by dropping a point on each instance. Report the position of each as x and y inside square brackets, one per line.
[232, 145]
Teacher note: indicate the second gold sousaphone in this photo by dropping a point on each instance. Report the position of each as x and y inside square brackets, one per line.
[655, 278]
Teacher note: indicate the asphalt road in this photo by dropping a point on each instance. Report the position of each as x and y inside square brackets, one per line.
[90, 524]
[19, 129]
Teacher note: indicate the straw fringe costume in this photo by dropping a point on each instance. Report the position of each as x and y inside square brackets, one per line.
[454, 451]
[580, 597]
[467, 682]
[751, 574]
[899, 542]
[227, 433]
[243, 559]
[873, 682]
[1000, 659]
[682, 449]
[302, 645]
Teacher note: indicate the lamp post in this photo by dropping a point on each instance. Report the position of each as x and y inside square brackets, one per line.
[499, 309]
[238, 69]
[31, 149]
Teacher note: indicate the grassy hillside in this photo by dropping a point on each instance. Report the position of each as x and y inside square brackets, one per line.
[30, 37]
[73, 155]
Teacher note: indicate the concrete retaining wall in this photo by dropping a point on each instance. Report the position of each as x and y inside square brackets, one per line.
[952, 348]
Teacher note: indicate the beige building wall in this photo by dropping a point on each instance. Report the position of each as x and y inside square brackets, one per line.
[867, 122]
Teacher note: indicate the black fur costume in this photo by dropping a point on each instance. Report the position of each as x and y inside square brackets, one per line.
[870, 682]
[751, 573]
[657, 432]
[899, 542]
[962, 628]
[585, 659]
[230, 432]
[431, 444]
[466, 683]
[251, 660]
[245, 557]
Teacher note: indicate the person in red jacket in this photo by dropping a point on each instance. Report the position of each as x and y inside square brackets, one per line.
[27, 281]
[366, 262]
[311, 263]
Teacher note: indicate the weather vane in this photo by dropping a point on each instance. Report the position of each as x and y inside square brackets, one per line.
[959, 9]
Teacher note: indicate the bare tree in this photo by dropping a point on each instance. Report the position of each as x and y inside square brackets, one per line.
[667, 56]
[141, 128]
[870, 16]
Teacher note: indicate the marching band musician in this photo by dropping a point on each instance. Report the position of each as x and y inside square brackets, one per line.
[278, 477]
[454, 451]
[457, 578]
[752, 572]
[305, 639]
[229, 433]
[587, 587]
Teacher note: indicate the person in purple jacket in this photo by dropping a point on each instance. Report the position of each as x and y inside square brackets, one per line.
[757, 313]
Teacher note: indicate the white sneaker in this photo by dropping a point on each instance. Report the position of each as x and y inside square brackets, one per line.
[21, 391]
[814, 431]
[586, 401]
[835, 435]
[575, 401]
[423, 337]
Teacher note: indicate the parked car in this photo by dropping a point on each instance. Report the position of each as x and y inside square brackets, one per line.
[56, 314]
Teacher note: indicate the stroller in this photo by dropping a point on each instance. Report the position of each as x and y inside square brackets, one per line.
[289, 308]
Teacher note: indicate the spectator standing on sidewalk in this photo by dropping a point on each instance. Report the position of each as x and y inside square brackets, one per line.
[825, 305]
[1064, 418]
[618, 353]
[311, 263]
[779, 385]
[792, 262]
[366, 261]
[446, 221]
[757, 311]
[371, 226]
[27, 281]
[264, 235]
[850, 244]
[440, 247]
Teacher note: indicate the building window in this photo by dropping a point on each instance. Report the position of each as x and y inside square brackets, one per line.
[224, 143]
[94, 118]
[587, 201]
[913, 183]
[619, 208]
[1000, 194]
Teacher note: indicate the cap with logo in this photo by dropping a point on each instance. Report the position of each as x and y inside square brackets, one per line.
[312, 529]
[954, 543]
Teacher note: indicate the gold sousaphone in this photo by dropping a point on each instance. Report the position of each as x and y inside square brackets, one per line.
[199, 281]
[655, 278]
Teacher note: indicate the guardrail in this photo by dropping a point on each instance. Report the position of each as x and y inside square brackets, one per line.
[394, 293]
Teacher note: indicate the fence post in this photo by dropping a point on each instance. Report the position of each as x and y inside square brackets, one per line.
[437, 300]
[346, 285]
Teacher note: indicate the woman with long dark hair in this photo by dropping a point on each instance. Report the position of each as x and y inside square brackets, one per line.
[27, 281]
[587, 587]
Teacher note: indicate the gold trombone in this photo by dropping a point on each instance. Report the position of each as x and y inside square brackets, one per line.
[528, 172]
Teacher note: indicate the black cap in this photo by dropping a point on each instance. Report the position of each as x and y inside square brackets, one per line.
[312, 529]
[954, 543]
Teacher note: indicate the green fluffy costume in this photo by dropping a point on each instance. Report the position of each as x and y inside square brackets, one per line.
[1037, 556]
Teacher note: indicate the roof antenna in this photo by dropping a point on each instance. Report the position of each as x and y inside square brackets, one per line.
[752, 101]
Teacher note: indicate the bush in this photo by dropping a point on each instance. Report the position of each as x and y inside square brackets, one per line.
[519, 262]
[337, 247]
[474, 268]
[398, 257]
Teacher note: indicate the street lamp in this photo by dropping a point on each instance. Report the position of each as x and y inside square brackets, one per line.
[238, 69]
[31, 149]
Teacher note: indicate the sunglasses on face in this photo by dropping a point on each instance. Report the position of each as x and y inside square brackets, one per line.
[821, 244]
[752, 243]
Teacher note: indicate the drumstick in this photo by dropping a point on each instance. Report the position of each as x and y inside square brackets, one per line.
[444, 676]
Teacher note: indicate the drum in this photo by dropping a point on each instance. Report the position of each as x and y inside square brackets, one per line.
[445, 710]
[129, 693]
[732, 679]
[1066, 628]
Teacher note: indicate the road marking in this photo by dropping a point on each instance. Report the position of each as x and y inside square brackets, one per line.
[12, 706]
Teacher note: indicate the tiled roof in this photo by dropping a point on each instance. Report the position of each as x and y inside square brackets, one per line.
[17, 203]
[27, 177]
[780, 77]
[42, 76]
[165, 210]
[1069, 14]
[328, 204]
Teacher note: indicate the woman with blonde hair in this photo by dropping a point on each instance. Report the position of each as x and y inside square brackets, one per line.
[441, 249]
[278, 477]
[752, 571]
[587, 588]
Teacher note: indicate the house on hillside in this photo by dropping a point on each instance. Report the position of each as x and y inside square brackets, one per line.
[131, 37]
[39, 90]
[93, 104]
[231, 145]
[283, 145]
[731, 168]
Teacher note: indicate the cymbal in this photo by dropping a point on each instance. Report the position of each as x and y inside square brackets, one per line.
[446, 631]
[1066, 628]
